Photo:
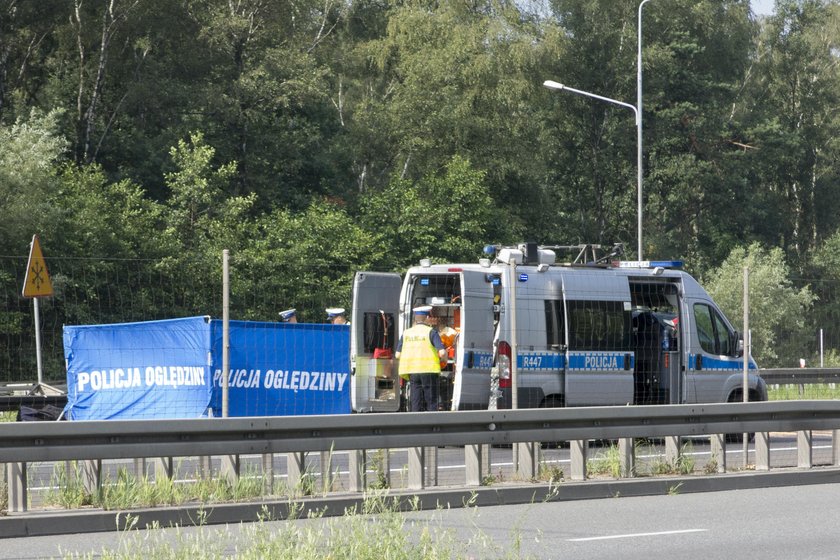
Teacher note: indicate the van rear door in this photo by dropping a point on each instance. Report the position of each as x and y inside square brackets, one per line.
[474, 353]
[374, 385]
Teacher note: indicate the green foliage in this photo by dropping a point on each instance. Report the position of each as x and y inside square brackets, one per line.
[419, 220]
[777, 309]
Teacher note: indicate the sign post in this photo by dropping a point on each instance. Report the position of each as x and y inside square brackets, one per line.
[37, 284]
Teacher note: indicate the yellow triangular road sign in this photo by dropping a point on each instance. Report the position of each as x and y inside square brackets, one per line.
[37, 282]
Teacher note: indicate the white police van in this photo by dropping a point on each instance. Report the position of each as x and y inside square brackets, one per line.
[593, 331]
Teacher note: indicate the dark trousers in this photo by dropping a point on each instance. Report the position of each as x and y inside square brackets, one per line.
[424, 387]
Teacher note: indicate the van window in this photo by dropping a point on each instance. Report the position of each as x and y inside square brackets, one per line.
[599, 325]
[714, 335]
[554, 323]
[435, 289]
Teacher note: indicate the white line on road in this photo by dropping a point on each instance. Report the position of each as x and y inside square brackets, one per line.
[634, 535]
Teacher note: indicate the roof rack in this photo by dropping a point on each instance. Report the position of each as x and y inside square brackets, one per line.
[585, 254]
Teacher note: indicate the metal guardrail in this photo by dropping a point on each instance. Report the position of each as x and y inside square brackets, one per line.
[800, 376]
[15, 395]
[50, 441]
[91, 442]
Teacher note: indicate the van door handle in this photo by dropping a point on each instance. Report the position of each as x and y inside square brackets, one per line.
[626, 362]
[699, 362]
[470, 359]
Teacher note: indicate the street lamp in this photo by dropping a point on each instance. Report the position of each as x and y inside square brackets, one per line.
[561, 87]
[639, 117]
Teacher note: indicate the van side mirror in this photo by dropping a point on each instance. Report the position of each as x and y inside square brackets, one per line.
[739, 344]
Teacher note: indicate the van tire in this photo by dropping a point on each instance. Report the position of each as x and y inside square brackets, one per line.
[554, 401]
[735, 397]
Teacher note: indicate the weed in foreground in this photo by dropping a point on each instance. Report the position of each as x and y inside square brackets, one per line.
[605, 463]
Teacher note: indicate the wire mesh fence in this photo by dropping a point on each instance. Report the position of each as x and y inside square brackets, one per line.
[104, 291]
[91, 291]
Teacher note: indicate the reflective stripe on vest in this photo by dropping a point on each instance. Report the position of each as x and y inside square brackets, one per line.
[418, 354]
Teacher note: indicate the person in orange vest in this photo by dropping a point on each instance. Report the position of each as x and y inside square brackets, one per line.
[420, 351]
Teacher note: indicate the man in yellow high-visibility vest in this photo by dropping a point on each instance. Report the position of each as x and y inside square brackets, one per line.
[420, 351]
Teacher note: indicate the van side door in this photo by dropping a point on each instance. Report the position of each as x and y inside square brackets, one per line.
[599, 358]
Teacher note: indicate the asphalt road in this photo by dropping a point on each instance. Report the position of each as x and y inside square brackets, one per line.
[767, 524]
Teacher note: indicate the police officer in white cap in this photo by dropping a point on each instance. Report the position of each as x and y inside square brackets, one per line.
[420, 351]
[288, 316]
[335, 315]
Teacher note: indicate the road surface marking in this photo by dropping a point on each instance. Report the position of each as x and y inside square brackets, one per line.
[634, 535]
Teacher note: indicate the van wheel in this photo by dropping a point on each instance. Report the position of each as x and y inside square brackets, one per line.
[736, 397]
[553, 401]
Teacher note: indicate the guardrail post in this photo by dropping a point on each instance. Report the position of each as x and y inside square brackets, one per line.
[804, 449]
[577, 449]
[268, 472]
[486, 460]
[295, 468]
[718, 448]
[672, 449]
[416, 464]
[357, 470]
[383, 458]
[472, 460]
[140, 468]
[163, 468]
[527, 460]
[229, 468]
[432, 466]
[16, 480]
[627, 457]
[205, 466]
[326, 475]
[91, 473]
[762, 451]
[835, 448]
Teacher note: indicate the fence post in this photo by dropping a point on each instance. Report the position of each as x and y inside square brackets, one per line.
[431, 466]
[577, 449]
[472, 460]
[718, 445]
[672, 450]
[627, 457]
[16, 480]
[528, 460]
[416, 466]
[295, 468]
[804, 449]
[762, 451]
[91, 473]
[835, 448]
[268, 472]
[140, 468]
[229, 468]
[357, 469]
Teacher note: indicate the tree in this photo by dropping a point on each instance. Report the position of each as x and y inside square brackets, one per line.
[447, 216]
[778, 310]
[791, 126]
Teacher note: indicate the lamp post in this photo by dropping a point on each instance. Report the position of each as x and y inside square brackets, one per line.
[561, 87]
[639, 119]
